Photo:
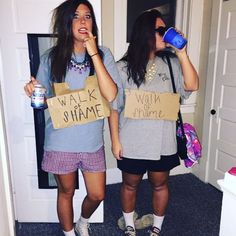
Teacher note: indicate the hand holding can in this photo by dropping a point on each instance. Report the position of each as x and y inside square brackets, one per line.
[38, 97]
[36, 92]
[29, 87]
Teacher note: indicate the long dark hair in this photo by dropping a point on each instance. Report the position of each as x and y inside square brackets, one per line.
[142, 43]
[61, 53]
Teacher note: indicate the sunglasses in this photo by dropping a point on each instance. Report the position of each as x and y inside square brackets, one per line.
[161, 30]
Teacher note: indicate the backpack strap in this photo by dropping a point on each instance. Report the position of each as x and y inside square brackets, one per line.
[180, 120]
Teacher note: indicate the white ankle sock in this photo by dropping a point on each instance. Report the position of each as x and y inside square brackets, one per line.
[69, 233]
[157, 221]
[129, 219]
[82, 220]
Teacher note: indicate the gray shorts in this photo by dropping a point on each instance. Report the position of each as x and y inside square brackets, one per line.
[68, 162]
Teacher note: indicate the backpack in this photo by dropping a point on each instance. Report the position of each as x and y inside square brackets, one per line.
[194, 148]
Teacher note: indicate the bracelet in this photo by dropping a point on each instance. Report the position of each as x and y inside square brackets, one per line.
[94, 54]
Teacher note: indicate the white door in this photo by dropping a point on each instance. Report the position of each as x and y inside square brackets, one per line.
[17, 18]
[222, 155]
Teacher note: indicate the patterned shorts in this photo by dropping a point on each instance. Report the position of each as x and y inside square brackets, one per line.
[68, 162]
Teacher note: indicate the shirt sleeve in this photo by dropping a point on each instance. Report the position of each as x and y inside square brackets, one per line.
[113, 70]
[43, 75]
[179, 80]
[118, 103]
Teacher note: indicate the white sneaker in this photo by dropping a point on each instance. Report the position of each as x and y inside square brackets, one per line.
[154, 231]
[130, 231]
[82, 229]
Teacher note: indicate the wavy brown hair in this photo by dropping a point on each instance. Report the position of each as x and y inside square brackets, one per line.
[142, 43]
[60, 54]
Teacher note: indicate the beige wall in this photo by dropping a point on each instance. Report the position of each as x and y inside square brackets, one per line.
[200, 170]
[108, 41]
[108, 23]
[198, 119]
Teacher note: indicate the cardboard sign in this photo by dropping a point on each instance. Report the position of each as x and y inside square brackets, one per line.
[150, 105]
[72, 107]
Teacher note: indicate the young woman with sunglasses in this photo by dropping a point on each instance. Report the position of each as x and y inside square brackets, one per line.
[145, 145]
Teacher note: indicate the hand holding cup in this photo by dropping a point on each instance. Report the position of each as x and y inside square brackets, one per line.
[174, 38]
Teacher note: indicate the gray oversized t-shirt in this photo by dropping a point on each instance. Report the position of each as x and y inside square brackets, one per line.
[148, 139]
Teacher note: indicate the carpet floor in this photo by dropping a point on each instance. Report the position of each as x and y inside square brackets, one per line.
[194, 210]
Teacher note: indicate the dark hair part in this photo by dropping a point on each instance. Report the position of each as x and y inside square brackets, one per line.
[142, 43]
[61, 53]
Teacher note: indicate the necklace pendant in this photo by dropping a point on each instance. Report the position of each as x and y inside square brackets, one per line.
[79, 66]
[151, 71]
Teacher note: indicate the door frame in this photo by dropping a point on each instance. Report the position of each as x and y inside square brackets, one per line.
[210, 87]
[6, 203]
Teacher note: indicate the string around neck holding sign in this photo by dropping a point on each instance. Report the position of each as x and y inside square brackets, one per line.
[79, 66]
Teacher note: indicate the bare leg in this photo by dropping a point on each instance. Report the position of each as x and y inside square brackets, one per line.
[160, 196]
[129, 191]
[66, 189]
[95, 185]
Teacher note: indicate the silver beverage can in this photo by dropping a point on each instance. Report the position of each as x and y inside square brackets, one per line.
[38, 97]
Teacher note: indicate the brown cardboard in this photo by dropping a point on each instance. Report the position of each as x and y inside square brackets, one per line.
[149, 105]
[72, 107]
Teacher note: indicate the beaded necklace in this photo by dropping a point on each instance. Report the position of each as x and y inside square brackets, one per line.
[151, 70]
[79, 66]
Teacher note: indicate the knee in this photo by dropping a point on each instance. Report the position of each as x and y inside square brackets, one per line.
[129, 186]
[97, 197]
[66, 192]
[160, 186]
